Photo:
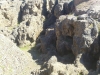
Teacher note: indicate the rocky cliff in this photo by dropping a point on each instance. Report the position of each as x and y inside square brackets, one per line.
[65, 32]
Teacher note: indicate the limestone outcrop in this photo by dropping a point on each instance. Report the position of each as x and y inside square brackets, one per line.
[60, 29]
[32, 23]
[76, 31]
[9, 12]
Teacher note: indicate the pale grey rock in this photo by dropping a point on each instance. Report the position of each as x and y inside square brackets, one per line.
[55, 67]
[87, 33]
[9, 12]
[31, 24]
[76, 2]
[86, 7]
[13, 61]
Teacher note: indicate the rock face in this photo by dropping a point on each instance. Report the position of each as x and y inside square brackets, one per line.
[56, 27]
[87, 5]
[77, 33]
[87, 35]
[9, 12]
[13, 61]
[64, 7]
[71, 30]
[47, 42]
[31, 25]
[54, 67]
[76, 2]
[64, 33]
[24, 19]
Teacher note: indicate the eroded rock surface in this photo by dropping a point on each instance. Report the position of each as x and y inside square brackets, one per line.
[57, 28]
[13, 61]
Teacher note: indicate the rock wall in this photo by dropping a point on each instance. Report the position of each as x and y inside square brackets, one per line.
[56, 27]
[23, 19]
[75, 31]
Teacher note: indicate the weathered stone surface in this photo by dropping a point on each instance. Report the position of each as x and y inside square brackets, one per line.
[31, 25]
[9, 12]
[27, 33]
[86, 6]
[76, 2]
[81, 32]
[48, 41]
[5, 31]
[58, 10]
[87, 34]
[64, 7]
[13, 61]
[60, 27]
[56, 68]
[64, 34]
[50, 5]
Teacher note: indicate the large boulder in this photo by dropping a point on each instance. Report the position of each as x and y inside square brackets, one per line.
[86, 32]
[54, 67]
[70, 30]
[28, 31]
[64, 34]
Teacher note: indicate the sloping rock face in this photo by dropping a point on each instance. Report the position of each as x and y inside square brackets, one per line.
[13, 61]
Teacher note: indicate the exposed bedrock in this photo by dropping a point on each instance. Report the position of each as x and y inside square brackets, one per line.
[80, 32]
[31, 24]
[64, 7]
[79, 35]
[56, 27]
[13, 61]
[9, 12]
[85, 35]
[89, 7]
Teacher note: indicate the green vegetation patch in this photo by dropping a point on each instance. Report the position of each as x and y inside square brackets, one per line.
[26, 48]
[81, 73]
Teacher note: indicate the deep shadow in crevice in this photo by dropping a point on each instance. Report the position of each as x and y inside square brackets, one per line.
[89, 61]
[50, 19]
[67, 59]
[20, 14]
[44, 11]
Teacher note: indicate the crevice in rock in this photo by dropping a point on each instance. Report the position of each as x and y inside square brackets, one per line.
[20, 14]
